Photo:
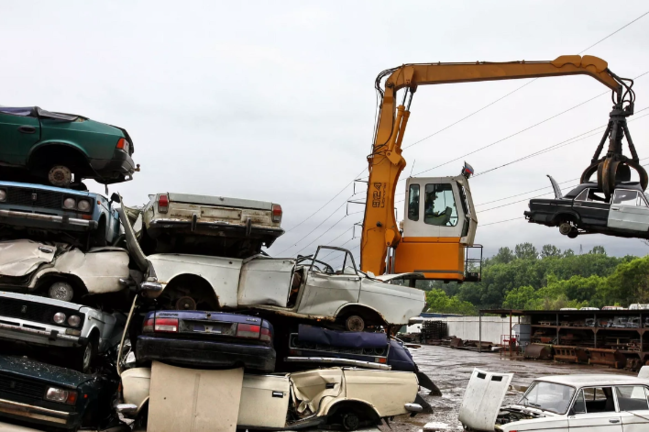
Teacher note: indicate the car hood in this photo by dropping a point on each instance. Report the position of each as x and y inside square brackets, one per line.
[43, 372]
[22, 257]
[483, 398]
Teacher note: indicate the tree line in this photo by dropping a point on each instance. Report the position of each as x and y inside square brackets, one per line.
[528, 278]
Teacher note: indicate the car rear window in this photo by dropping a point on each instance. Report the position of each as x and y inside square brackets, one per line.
[23, 112]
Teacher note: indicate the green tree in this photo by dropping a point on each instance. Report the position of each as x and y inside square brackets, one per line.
[526, 251]
[520, 298]
[504, 256]
[438, 301]
[550, 251]
[598, 250]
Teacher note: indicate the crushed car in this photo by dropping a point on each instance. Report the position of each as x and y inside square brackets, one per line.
[207, 339]
[306, 288]
[62, 271]
[585, 209]
[557, 403]
[82, 333]
[61, 149]
[209, 225]
[46, 396]
[51, 213]
[348, 398]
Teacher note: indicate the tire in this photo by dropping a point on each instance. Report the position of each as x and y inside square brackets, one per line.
[350, 421]
[85, 357]
[98, 237]
[565, 228]
[355, 323]
[61, 290]
[59, 175]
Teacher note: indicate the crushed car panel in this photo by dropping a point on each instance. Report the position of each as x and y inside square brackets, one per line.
[482, 399]
[22, 257]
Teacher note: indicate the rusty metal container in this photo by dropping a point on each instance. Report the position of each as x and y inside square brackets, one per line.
[570, 354]
[538, 352]
[607, 357]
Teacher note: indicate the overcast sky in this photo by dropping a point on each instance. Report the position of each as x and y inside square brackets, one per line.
[275, 100]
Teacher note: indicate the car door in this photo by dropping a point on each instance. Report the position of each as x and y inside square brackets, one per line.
[594, 410]
[629, 211]
[634, 408]
[19, 131]
[325, 293]
[592, 207]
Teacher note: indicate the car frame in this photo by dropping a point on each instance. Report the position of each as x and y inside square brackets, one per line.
[348, 397]
[62, 148]
[296, 288]
[210, 225]
[563, 403]
[49, 209]
[62, 271]
[585, 209]
[207, 339]
[44, 395]
[30, 320]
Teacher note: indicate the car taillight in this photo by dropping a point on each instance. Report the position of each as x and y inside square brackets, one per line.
[265, 335]
[163, 325]
[122, 144]
[248, 331]
[277, 213]
[163, 203]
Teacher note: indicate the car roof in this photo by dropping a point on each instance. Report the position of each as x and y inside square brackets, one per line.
[587, 380]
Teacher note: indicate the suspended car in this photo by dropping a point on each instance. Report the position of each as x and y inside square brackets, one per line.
[438, 229]
[586, 209]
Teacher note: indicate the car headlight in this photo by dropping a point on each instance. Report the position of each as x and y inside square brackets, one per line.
[74, 320]
[56, 394]
[3, 195]
[83, 205]
[59, 318]
[69, 203]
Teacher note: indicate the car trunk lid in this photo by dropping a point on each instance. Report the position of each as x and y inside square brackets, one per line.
[213, 324]
[219, 201]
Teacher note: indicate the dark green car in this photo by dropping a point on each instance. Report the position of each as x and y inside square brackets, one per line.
[62, 149]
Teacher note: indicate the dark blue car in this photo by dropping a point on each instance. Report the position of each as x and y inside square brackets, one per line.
[207, 340]
[82, 215]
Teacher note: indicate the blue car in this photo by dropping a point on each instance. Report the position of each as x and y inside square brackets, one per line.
[207, 340]
[86, 217]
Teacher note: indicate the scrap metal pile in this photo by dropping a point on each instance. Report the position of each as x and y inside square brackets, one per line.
[97, 299]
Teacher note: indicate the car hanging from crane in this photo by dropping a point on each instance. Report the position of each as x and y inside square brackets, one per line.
[440, 223]
[613, 204]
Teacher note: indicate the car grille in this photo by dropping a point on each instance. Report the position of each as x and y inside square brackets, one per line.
[22, 386]
[38, 312]
[25, 197]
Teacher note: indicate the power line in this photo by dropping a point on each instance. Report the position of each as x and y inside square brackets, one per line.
[616, 31]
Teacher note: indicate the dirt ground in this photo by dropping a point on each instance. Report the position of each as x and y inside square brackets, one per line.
[451, 369]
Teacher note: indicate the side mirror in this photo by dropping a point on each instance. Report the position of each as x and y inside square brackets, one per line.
[115, 198]
[150, 288]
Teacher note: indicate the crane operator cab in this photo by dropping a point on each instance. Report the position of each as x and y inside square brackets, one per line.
[438, 229]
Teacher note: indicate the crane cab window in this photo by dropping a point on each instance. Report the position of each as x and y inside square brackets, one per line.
[413, 202]
[439, 205]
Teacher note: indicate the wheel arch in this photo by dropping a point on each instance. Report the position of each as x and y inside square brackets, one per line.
[571, 216]
[67, 149]
[181, 278]
[366, 312]
[48, 277]
[358, 405]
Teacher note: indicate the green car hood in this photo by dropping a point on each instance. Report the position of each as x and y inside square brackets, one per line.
[41, 371]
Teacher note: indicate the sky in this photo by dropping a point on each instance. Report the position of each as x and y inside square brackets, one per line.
[275, 101]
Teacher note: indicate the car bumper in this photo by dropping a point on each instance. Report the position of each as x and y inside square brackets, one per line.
[213, 228]
[37, 333]
[38, 220]
[118, 169]
[36, 414]
[205, 353]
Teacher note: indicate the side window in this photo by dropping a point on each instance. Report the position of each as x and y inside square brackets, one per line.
[579, 406]
[583, 195]
[439, 205]
[625, 197]
[640, 201]
[599, 399]
[413, 202]
[632, 398]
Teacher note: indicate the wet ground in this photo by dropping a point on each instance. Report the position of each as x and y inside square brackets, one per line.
[451, 369]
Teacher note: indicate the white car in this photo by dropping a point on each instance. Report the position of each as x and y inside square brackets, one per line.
[40, 321]
[302, 288]
[561, 403]
[350, 398]
[61, 271]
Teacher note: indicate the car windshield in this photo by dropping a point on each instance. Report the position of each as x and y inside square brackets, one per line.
[548, 397]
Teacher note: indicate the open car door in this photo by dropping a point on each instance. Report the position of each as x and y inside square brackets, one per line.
[629, 211]
[482, 400]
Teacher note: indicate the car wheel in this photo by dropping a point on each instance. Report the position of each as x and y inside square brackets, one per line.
[565, 228]
[354, 323]
[59, 175]
[85, 356]
[186, 303]
[61, 291]
[573, 234]
[350, 421]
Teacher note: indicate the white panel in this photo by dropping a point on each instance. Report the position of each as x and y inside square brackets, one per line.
[265, 281]
[264, 401]
[482, 399]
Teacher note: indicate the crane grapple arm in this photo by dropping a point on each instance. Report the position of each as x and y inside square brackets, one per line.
[380, 229]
